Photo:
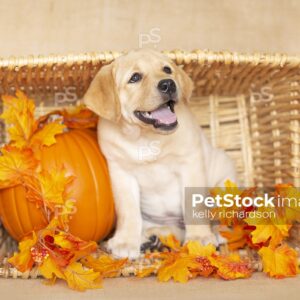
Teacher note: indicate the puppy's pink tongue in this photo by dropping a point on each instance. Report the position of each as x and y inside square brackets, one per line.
[164, 115]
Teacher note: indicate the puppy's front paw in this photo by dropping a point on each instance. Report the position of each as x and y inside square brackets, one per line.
[202, 234]
[122, 246]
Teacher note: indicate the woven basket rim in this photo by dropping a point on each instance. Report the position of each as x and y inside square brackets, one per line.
[179, 56]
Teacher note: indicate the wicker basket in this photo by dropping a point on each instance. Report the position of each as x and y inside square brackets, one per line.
[248, 104]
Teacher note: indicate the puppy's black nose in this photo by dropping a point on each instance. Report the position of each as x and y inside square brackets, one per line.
[167, 86]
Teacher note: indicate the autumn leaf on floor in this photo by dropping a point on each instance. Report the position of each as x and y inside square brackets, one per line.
[18, 115]
[80, 278]
[23, 260]
[279, 262]
[193, 259]
[106, 265]
[183, 262]
[272, 229]
[15, 164]
[231, 266]
[177, 266]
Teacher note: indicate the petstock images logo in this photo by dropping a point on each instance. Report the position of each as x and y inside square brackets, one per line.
[256, 206]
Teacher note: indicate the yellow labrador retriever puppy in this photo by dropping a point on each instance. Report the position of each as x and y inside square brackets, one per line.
[154, 148]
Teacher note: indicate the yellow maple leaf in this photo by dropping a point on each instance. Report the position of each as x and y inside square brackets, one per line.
[106, 265]
[290, 200]
[279, 262]
[177, 267]
[52, 187]
[80, 278]
[231, 267]
[50, 270]
[195, 248]
[22, 260]
[272, 228]
[15, 164]
[170, 241]
[227, 215]
[46, 135]
[18, 115]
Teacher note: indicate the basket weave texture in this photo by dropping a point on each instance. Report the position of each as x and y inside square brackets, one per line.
[247, 104]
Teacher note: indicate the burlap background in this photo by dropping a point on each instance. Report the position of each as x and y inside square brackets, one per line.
[62, 26]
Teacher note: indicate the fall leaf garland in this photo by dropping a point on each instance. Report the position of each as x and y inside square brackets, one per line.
[53, 250]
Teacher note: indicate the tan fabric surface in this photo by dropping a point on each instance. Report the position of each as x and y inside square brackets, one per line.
[258, 287]
[54, 26]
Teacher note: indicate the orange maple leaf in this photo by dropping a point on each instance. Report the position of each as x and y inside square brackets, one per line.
[80, 117]
[74, 117]
[22, 260]
[236, 237]
[15, 164]
[106, 265]
[279, 262]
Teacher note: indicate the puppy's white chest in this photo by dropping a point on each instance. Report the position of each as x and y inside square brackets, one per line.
[160, 189]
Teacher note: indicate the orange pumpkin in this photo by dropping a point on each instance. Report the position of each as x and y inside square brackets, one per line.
[78, 152]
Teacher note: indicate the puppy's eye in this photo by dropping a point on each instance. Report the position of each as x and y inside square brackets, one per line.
[167, 70]
[135, 78]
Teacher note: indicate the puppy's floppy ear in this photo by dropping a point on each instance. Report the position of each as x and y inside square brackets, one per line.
[186, 84]
[102, 97]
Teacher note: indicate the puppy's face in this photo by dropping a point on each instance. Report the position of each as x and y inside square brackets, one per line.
[143, 88]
